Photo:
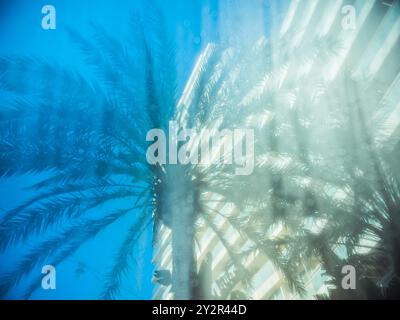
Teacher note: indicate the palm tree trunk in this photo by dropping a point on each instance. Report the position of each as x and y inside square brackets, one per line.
[180, 207]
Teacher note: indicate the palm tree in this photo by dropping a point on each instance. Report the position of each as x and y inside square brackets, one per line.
[87, 137]
[242, 91]
[291, 184]
[373, 246]
[225, 96]
[303, 124]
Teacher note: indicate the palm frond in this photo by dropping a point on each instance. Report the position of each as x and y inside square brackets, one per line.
[57, 248]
